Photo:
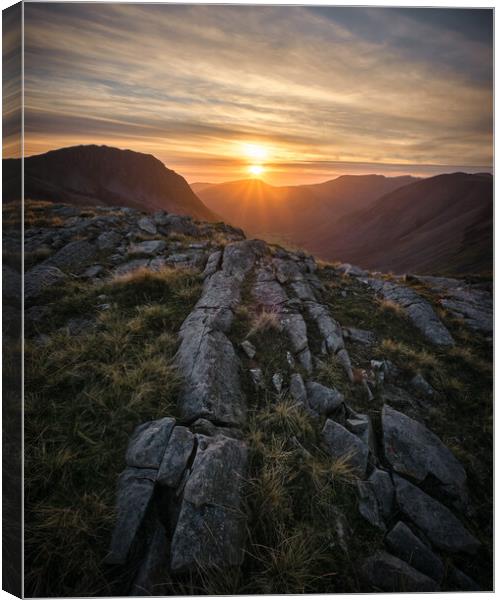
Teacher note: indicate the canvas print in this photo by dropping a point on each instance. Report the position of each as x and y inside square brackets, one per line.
[247, 278]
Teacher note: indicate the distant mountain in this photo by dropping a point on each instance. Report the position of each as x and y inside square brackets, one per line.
[443, 224]
[294, 212]
[199, 185]
[100, 175]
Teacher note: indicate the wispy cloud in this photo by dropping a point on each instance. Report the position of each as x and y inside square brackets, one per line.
[190, 83]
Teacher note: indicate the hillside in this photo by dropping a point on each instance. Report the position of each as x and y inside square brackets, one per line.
[443, 224]
[208, 414]
[100, 175]
[294, 212]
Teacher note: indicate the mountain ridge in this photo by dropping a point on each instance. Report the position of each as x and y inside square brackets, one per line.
[93, 175]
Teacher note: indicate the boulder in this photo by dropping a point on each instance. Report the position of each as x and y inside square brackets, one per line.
[436, 521]
[210, 531]
[73, 255]
[422, 387]
[130, 266]
[343, 445]
[212, 263]
[418, 310]
[148, 442]
[210, 367]
[376, 498]
[402, 542]
[248, 348]
[150, 247]
[134, 494]
[176, 456]
[39, 278]
[148, 225]
[323, 400]
[415, 451]
[386, 573]
[298, 390]
[108, 240]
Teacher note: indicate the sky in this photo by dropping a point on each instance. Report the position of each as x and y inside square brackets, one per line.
[292, 94]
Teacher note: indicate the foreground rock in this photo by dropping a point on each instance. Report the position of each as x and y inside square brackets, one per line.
[343, 446]
[408, 547]
[210, 530]
[413, 450]
[437, 522]
[386, 573]
[419, 311]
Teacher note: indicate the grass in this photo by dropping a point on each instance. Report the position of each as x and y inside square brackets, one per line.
[85, 395]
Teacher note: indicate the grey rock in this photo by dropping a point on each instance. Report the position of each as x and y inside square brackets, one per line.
[330, 330]
[134, 494]
[359, 336]
[419, 311]
[341, 444]
[298, 390]
[160, 217]
[267, 291]
[130, 266]
[176, 456]
[400, 398]
[323, 400]
[257, 378]
[108, 240]
[422, 386]
[287, 270]
[296, 330]
[210, 530]
[436, 521]
[361, 425]
[210, 367]
[277, 381]
[352, 270]
[303, 291]
[402, 542]
[289, 359]
[212, 263]
[148, 247]
[462, 582]
[148, 442]
[148, 225]
[93, 271]
[376, 498]
[154, 563]
[239, 257]
[39, 278]
[413, 450]
[206, 427]
[472, 304]
[248, 348]
[386, 573]
[157, 264]
[72, 255]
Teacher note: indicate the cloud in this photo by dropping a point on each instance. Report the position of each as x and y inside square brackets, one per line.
[184, 82]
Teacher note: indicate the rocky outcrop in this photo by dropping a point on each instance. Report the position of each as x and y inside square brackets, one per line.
[414, 451]
[473, 303]
[419, 311]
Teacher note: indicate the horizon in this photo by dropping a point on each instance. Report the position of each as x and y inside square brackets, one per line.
[295, 95]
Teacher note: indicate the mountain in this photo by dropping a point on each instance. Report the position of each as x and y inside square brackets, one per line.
[294, 212]
[199, 185]
[92, 175]
[443, 224]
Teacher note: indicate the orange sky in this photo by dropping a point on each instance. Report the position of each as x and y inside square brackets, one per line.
[316, 92]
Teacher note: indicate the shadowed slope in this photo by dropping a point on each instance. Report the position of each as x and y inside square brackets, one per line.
[441, 224]
[94, 175]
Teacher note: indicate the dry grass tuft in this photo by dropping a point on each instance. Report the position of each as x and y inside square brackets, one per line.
[266, 320]
[413, 358]
[389, 306]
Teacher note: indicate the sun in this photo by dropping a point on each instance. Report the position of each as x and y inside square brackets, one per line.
[256, 170]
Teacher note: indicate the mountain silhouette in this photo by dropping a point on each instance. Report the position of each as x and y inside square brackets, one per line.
[101, 175]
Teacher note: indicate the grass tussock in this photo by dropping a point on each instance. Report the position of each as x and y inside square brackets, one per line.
[264, 321]
[390, 306]
[85, 395]
[415, 359]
